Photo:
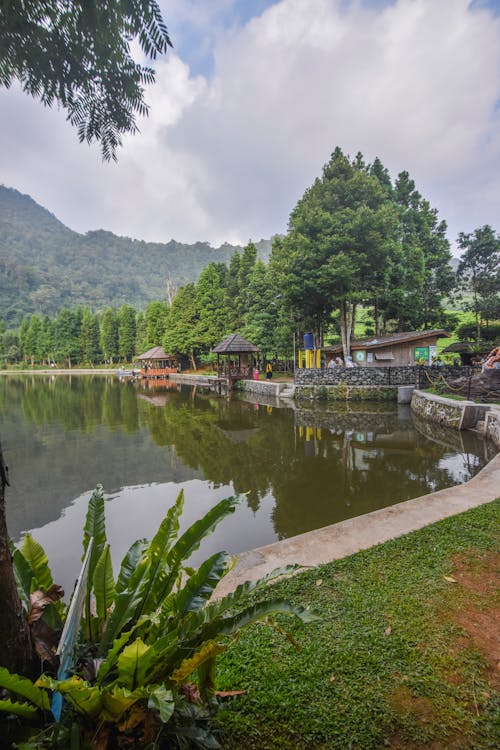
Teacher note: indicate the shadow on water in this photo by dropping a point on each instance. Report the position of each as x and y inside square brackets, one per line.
[301, 467]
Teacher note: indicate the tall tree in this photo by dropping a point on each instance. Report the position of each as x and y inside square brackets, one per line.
[211, 306]
[67, 335]
[246, 265]
[182, 322]
[78, 55]
[262, 312]
[126, 332]
[156, 321]
[426, 276]
[31, 339]
[109, 335]
[340, 237]
[479, 273]
[141, 334]
[90, 334]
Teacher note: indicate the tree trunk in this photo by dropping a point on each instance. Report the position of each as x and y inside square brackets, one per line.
[17, 653]
[346, 323]
[376, 315]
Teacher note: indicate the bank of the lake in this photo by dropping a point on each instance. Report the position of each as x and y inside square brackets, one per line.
[404, 655]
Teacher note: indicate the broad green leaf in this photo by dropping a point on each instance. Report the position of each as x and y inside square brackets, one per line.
[86, 699]
[36, 558]
[127, 604]
[112, 656]
[163, 701]
[217, 608]
[23, 575]
[200, 586]
[192, 538]
[259, 611]
[130, 562]
[104, 585]
[117, 700]
[132, 664]
[208, 651]
[206, 678]
[25, 710]
[24, 687]
[95, 527]
[157, 554]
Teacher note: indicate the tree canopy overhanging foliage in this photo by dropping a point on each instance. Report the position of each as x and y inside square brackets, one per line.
[78, 55]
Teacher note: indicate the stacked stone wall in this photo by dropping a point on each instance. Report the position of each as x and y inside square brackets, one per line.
[345, 392]
[261, 387]
[492, 427]
[422, 377]
[459, 415]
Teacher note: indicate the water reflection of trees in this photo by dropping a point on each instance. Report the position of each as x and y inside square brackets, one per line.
[321, 465]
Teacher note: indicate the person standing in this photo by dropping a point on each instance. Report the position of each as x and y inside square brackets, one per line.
[269, 371]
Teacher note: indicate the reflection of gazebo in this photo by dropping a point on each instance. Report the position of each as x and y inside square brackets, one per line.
[155, 363]
[238, 354]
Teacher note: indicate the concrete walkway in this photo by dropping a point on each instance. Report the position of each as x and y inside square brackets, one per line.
[347, 537]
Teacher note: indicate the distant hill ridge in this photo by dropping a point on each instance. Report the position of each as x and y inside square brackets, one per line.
[45, 266]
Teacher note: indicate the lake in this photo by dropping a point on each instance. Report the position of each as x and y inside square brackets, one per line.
[302, 467]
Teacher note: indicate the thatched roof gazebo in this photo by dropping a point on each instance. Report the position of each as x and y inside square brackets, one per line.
[238, 354]
[156, 363]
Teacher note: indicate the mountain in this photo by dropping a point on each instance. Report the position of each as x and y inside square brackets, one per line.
[45, 266]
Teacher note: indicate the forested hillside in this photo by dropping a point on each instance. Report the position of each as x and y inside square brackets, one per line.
[44, 266]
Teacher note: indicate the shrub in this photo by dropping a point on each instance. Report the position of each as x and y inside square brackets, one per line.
[143, 636]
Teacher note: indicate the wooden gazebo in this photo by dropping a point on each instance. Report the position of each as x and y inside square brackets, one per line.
[155, 363]
[237, 358]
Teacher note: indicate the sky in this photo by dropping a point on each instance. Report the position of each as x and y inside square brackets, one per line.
[252, 101]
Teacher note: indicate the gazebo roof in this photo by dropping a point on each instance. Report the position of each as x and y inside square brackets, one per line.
[235, 344]
[157, 352]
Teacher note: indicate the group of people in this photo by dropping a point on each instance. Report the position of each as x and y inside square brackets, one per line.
[492, 360]
[339, 362]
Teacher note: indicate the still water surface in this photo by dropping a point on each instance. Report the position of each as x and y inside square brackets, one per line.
[302, 467]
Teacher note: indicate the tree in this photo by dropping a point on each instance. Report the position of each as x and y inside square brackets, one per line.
[17, 653]
[67, 335]
[109, 335]
[126, 332]
[31, 339]
[340, 238]
[479, 273]
[180, 334]
[156, 320]
[90, 346]
[211, 306]
[424, 275]
[78, 55]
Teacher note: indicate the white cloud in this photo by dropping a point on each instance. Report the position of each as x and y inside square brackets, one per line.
[226, 157]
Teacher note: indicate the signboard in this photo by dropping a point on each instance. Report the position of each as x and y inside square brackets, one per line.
[359, 356]
[421, 352]
[369, 357]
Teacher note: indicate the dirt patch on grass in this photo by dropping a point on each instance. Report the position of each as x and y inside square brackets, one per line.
[404, 703]
[472, 603]
[480, 618]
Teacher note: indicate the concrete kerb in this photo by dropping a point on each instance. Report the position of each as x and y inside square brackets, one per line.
[347, 537]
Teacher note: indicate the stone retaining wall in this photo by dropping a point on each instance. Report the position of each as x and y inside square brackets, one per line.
[345, 392]
[492, 426]
[379, 376]
[262, 387]
[459, 415]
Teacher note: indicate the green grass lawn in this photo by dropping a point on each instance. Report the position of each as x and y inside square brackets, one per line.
[403, 656]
